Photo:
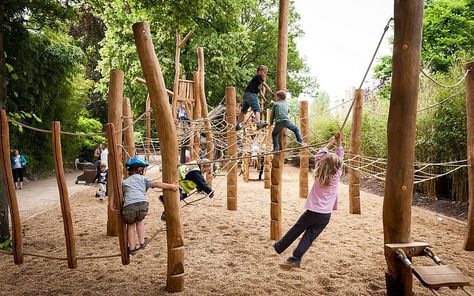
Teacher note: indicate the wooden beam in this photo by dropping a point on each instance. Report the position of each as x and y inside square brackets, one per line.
[63, 195]
[181, 44]
[469, 241]
[267, 166]
[128, 133]
[169, 153]
[354, 180]
[197, 114]
[231, 100]
[114, 116]
[147, 127]
[142, 81]
[17, 236]
[401, 132]
[304, 157]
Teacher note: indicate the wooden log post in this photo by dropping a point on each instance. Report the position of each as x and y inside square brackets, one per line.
[128, 133]
[469, 241]
[279, 158]
[205, 113]
[169, 152]
[148, 128]
[304, 157]
[196, 147]
[230, 103]
[17, 236]
[115, 117]
[267, 164]
[401, 139]
[116, 203]
[63, 195]
[354, 180]
[246, 161]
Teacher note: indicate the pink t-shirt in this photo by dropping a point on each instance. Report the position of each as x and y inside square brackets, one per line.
[323, 198]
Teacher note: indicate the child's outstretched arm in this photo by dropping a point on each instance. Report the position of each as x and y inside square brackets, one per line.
[265, 85]
[163, 185]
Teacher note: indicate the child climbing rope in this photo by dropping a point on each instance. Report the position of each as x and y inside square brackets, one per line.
[322, 200]
[135, 206]
[255, 87]
[101, 179]
[280, 117]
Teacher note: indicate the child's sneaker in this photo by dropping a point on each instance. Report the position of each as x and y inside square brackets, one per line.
[145, 243]
[238, 127]
[132, 252]
[290, 263]
[261, 125]
[302, 144]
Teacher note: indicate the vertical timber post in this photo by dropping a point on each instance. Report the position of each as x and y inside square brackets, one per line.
[304, 158]
[148, 128]
[115, 117]
[196, 147]
[7, 174]
[279, 158]
[205, 113]
[469, 241]
[231, 99]
[63, 195]
[128, 133]
[354, 180]
[267, 164]
[401, 132]
[169, 148]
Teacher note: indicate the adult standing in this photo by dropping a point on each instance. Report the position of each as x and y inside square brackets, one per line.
[98, 152]
[104, 157]
[18, 167]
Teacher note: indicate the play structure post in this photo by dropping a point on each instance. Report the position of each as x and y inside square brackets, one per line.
[469, 241]
[205, 113]
[401, 140]
[230, 102]
[114, 116]
[304, 158]
[279, 158]
[128, 133]
[17, 236]
[148, 128]
[116, 202]
[63, 195]
[196, 146]
[246, 160]
[169, 152]
[354, 182]
[267, 164]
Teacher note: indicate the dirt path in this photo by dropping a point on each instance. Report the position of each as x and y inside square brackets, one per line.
[226, 252]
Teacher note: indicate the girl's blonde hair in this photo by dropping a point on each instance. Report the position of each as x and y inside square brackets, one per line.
[327, 168]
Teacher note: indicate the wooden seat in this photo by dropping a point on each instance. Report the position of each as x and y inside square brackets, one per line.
[437, 276]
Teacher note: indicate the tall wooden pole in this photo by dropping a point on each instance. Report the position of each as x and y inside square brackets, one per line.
[401, 139]
[230, 103]
[7, 174]
[278, 159]
[469, 242]
[169, 153]
[128, 133]
[246, 160]
[148, 128]
[205, 115]
[267, 164]
[196, 147]
[354, 182]
[304, 158]
[63, 195]
[177, 57]
[115, 117]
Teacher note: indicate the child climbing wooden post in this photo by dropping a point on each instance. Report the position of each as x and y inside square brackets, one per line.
[469, 242]
[278, 158]
[401, 132]
[354, 182]
[63, 195]
[128, 134]
[17, 236]
[231, 148]
[169, 148]
[304, 159]
[207, 122]
[268, 158]
[196, 147]
[114, 116]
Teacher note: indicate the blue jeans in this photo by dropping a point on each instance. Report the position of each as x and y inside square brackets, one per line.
[281, 125]
[250, 100]
[312, 224]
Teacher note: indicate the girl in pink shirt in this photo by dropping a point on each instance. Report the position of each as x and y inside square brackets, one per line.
[322, 200]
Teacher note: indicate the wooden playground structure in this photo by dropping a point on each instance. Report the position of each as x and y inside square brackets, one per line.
[399, 250]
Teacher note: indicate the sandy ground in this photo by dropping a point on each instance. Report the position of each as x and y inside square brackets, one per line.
[227, 252]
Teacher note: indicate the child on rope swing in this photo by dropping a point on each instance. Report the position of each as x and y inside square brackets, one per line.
[135, 206]
[280, 117]
[322, 200]
[255, 88]
[190, 178]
